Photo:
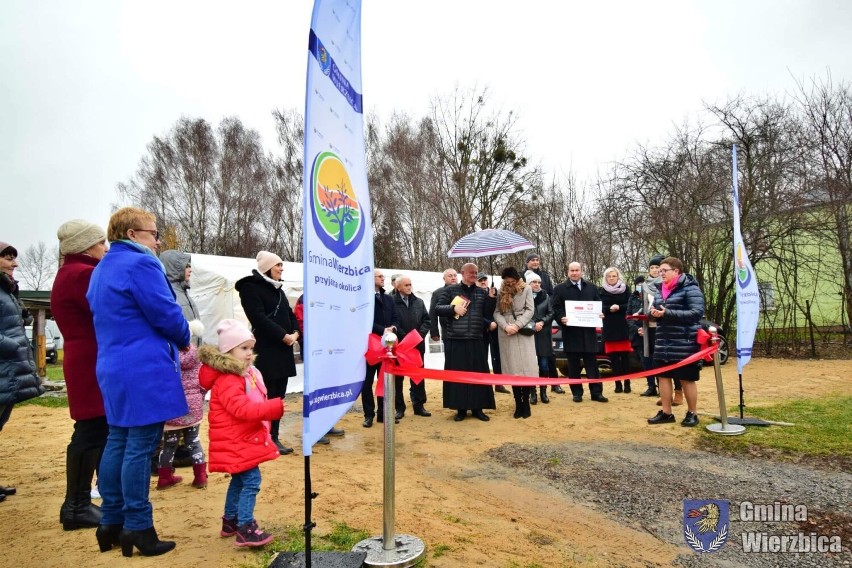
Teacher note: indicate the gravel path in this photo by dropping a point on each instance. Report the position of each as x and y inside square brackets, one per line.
[627, 482]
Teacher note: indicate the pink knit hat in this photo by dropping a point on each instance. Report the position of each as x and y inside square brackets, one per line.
[266, 260]
[231, 334]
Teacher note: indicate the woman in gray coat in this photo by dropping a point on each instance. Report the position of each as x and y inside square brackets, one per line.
[18, 379]
[517, 351]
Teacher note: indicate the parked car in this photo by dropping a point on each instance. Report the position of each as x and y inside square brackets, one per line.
[51, 354]
[634, 362]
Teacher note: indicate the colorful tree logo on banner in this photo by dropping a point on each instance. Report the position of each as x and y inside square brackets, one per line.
[743, 273]
[337, 216]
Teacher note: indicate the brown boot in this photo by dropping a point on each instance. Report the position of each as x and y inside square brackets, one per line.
[678, 398]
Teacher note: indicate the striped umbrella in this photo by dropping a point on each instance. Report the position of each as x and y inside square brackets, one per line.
[489, 242]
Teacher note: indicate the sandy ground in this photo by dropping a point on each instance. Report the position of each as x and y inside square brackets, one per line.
[448, 491]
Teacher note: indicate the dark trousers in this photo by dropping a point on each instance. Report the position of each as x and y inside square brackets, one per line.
[368, 401]
[415, 391]
[89, 435]
[575, 362]
[275, 388]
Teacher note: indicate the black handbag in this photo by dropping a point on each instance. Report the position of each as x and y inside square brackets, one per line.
[528, 329]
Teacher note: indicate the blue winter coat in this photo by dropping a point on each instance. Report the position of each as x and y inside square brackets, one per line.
[677, 330]
[140, 328]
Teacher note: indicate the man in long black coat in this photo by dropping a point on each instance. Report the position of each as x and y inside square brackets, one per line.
[384, 320]
[413, 315]
[580, 343]
[463, 308]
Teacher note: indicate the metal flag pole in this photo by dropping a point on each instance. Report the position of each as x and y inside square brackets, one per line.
[390, 550]
[724, 427]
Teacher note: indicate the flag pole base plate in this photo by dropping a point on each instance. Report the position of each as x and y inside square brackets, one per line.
[407, 551]
[726, 429]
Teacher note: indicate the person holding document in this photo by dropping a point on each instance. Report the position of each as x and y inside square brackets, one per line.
[678, 307]
[580, 341]
[463, 308]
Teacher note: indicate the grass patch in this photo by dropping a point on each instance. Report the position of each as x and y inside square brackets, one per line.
[54, 373]
[823, 428]
[292, 539]
[48, 401]
[439, 550]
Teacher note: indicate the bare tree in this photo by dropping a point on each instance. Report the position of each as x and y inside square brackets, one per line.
[827, 136]
[38, 265]
[481, 170]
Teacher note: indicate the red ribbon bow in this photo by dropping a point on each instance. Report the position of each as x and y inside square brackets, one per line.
[405, 354]
[703, 340]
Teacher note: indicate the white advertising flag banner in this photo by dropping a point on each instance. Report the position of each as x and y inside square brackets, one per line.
[745, 284]
[338, 239]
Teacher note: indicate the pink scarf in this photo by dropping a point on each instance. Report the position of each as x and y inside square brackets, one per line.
[667, 288]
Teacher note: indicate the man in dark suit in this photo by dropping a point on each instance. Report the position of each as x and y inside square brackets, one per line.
[384, 320]
[580, 343]
[450, 277]
[412, 314]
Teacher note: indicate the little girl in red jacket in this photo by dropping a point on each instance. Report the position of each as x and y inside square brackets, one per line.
[239, 418]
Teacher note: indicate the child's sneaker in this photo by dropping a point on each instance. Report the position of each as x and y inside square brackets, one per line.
[251, 535]
[229, 527]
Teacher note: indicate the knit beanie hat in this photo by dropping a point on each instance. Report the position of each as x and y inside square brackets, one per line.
[531, 256]
[6, 248]
[655, 260]
[78, 235]
[231, 334]
[266, 260]
[531, 277]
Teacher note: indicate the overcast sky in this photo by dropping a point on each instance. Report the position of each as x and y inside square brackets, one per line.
[87, 84]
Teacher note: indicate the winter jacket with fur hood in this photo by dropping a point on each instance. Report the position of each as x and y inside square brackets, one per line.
[239, 439]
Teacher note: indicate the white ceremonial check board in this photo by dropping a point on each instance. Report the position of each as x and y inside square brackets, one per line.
[583, 314]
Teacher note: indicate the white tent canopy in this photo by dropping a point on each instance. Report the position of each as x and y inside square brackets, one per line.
[212, 290]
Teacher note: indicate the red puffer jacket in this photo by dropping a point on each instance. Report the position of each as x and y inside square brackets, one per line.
[239, 440]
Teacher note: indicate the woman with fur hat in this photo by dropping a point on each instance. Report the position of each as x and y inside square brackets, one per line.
[18, 379]
[239, 426]
[515, 309]
[82, 245]
[274, 325]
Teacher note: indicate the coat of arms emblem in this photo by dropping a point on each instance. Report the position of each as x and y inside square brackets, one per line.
[706, 524]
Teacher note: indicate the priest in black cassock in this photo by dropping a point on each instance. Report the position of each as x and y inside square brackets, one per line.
[464, 307]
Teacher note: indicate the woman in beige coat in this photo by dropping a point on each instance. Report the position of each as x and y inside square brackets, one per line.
[514, 311]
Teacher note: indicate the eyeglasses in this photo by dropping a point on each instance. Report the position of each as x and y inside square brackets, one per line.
[664, 270]
[152, 231]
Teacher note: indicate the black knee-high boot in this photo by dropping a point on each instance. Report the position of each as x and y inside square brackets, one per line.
[528, 391]
[519, 404]
[77, 511]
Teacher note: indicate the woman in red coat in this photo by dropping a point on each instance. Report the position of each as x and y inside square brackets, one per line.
[82, 244]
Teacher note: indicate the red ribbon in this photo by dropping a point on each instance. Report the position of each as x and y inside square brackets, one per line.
[522, 381]
[405, 354]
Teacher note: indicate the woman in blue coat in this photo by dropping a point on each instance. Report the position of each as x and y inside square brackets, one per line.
[678, 307]
[140, 328]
